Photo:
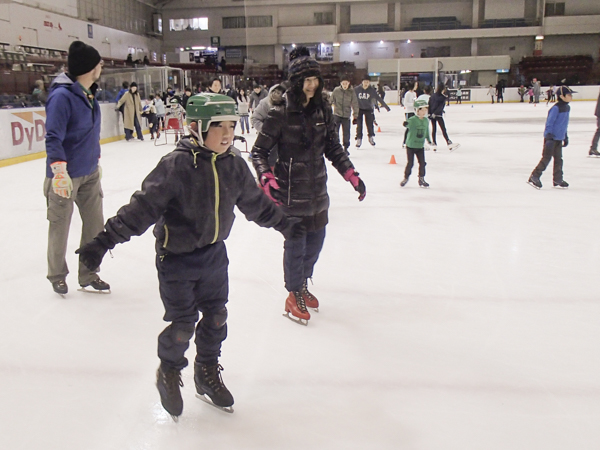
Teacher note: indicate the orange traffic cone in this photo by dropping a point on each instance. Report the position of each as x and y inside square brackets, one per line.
[392, 160]
[378, 129]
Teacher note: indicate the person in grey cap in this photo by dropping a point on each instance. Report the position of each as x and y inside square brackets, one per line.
[72, 170]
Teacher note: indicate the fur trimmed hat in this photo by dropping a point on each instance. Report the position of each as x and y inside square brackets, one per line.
[82, 58]
[302, 66]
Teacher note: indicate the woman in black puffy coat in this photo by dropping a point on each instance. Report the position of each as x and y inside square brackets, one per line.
[437, 102]
[303, 129]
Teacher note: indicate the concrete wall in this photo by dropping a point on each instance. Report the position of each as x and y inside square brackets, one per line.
[504, 9]
[572, 45]
[290, 16]
[581, 7]
[368, 13]
[462, 10]
[523, 46]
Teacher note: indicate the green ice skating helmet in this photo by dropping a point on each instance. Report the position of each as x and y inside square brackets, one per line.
[208, 108]
[420, 104]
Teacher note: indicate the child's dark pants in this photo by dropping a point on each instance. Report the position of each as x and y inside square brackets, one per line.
[549, 152]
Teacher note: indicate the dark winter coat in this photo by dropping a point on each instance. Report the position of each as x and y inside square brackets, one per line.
[72, 128]
[304, 136]
[437, 102]
[182, 194]
[557, 121]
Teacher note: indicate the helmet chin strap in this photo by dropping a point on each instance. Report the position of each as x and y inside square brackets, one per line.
[197, 134]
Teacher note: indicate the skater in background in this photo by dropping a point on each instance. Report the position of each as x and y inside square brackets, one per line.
[522, 91]
[149, 112]
[537, 87]
[243, 105]
[426, 95]
[345, 105]
[132, 114]
[499, 92]
[594, 146]
[409, 101]
[160, 111]
[305, 132]
[275, 99]
[459, 96]
[418, 131]
[436, 115]
[256, 96]
[366, 95]
[491, 92]
[180, 196]
[73, 122]
[530, 93]
[555, 138]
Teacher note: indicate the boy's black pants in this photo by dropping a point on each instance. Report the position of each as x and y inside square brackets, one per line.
[549, 152]
[369, 118]
[345, 124]
[191, 283]
[410, 161]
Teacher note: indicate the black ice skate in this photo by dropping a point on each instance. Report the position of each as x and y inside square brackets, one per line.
[358, 142]
[60, 287]
[210, 387]
[423, 183]
[96, 287]
[168, 382]
[594, 153]
[403, 182]
[372, 141]
[535, 182]
[561, 184]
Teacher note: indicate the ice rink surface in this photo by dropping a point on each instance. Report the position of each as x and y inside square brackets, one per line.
[465, 316]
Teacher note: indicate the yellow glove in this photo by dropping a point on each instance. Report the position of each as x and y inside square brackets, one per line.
[61, 183]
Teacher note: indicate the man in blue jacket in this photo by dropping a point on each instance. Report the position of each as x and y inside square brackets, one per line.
[555, 138]
[72, 170]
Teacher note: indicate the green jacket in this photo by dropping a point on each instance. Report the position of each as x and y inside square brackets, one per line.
[344, 102]
[418, 131]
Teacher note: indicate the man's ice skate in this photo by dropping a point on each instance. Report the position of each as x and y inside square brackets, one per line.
[535, 182]
[561, 184]
[295, 305]
[372, 141]
[96, 287]
[453, 145]
[168, 382]
[309, 300]
[210, 387]
[60, 287]
[403, 182]
[358, 142]
[423, 183]
[594, 153]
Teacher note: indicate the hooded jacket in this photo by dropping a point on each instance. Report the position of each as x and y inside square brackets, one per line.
[72, 128]
[304, 136]
[190, 196]
[437, 102]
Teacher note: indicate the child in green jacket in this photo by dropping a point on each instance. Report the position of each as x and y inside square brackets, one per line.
[418, 131]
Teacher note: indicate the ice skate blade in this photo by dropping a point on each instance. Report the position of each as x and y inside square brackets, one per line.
[296, 319]
[453, 147]
[533, 186]
[206, 399]
[560, 187]
[424, 187]
[93, 291]
[62, 295]
[593, 156]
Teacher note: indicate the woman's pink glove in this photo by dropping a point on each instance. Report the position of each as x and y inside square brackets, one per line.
[351, 175]
[268, 182]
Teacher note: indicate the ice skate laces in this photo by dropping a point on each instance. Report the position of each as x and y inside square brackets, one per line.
[300, 303]
[212, 375]
[172, 380]
[306, 292]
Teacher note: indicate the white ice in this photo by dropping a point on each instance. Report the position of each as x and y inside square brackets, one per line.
[465, 316]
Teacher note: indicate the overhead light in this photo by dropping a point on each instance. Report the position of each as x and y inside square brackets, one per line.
[381, 42]
[408, 41]
[322, 44]
[465, 71]
[181, 49]
[198, 48]
[351, 42]
[539, 38]
[293, 45]
[336, 44]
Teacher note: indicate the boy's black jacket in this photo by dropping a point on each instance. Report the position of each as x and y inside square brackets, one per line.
[182, 194]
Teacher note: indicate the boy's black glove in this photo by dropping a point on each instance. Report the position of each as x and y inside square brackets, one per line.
[566, 141]
[91, 254]
[405, 124]
[293, 229]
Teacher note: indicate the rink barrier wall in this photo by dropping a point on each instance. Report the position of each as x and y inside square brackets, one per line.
[23, 131]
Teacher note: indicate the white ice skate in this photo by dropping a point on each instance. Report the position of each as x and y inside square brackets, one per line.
[453, 146]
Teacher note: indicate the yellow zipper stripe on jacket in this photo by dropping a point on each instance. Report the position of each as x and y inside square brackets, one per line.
[217, 198]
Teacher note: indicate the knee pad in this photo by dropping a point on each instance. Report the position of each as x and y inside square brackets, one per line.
[182, 332]
[217, 319]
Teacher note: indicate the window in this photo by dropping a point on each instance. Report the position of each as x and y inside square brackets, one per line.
[324, 18]
[252, 22]
[196, 23]
[555, 9]
[234, 22]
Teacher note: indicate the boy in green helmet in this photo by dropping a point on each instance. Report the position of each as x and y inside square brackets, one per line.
[418, 131]
[190, 197]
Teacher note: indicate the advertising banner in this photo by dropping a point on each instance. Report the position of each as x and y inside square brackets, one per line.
[22, 132]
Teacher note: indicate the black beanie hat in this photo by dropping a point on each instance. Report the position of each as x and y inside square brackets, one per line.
[302, 66]
[82, 58]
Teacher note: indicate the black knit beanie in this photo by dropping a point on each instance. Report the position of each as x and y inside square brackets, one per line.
[302, 66]
[82, 58]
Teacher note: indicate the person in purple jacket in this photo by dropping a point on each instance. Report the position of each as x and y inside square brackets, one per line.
[72, 171]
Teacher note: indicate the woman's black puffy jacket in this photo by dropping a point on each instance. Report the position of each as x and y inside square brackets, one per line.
[303, 136]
